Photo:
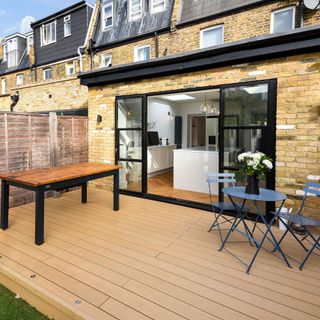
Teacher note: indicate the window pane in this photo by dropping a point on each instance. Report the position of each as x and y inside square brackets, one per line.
[283, 21]
[212, 37]
[237, 141]
[130, 144]
[130, 113]
[246, 106]
[131, 176]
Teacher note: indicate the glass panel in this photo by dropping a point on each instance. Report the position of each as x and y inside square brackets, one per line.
[130, 144]
[130, 113]
[212, 37]
[131, 176]
[246, 106]
[282, 21]
[237, 141]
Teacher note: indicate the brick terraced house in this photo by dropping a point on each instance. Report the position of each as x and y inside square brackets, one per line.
[180, 88]
[38, 71]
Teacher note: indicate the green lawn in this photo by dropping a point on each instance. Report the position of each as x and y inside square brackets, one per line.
[16, 309]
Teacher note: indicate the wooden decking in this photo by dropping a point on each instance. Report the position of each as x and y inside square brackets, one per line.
[148, 261]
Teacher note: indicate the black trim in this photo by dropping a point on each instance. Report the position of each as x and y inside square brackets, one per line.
[66, 112]
[267, 47]
[54, 15]
[224, 13]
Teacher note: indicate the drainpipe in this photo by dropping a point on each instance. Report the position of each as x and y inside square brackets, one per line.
[156, 44]
[301, 13]
[87, 37]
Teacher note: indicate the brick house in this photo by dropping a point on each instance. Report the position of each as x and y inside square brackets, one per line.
[247, 71]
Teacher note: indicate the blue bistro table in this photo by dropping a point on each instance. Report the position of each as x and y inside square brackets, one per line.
[265, 195]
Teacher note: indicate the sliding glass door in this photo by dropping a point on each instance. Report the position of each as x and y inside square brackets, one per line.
[130, 139]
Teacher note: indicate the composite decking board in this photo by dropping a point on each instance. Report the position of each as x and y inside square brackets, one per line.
[176, 276]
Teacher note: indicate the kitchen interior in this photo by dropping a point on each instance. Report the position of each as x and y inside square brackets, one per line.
[183, 144]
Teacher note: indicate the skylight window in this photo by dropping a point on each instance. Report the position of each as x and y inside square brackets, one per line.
[107, 16]
[178, 97]
[135, 10]
[158, 5]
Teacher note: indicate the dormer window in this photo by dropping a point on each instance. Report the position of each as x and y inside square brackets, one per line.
[67, 25]
[5, 52]
[12, 53]
[282, 20]
[48, 33]
[135, 10]
[157, 5]
[107, 16]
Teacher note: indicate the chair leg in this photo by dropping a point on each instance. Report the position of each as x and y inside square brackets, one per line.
[316, 243]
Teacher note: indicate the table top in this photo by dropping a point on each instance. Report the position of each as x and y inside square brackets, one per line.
[265, 195]
[40, 177]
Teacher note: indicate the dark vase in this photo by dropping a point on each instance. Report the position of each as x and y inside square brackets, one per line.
[252, 185]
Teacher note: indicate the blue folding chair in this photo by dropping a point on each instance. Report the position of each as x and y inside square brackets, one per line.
[219, 208]
[299, 225]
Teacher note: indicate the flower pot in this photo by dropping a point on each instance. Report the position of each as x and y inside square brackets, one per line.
[252, 185]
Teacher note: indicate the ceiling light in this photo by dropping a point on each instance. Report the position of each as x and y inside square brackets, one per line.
[178, 97]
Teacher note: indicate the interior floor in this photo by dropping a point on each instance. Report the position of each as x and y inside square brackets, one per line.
[162, 185]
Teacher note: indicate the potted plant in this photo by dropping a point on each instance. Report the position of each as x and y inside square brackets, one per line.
[254, 166]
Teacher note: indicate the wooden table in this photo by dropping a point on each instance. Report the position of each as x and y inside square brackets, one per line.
[58, 178]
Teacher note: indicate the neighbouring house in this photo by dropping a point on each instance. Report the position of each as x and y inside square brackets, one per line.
[180, 88]
[38, 71]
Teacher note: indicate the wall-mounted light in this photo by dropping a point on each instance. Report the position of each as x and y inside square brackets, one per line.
[99, 118]
[170, 115]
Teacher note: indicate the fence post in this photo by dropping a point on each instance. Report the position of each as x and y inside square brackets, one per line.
[53, 126]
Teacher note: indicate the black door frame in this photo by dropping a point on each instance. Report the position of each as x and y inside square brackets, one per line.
[271, 118]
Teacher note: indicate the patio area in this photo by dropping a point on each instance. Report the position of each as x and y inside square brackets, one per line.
[150, 260]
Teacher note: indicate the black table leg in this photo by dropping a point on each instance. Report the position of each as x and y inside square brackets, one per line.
[84, 192]
[39, 230]
[4, 205]
[116, 191]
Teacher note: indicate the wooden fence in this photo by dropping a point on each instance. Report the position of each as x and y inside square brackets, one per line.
[29, 141]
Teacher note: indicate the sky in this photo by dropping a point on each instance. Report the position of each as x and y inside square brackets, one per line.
[16, 15]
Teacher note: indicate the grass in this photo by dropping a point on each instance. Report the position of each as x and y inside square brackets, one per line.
[17, 309]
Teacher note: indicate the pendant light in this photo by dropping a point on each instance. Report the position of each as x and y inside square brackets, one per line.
[205, 107]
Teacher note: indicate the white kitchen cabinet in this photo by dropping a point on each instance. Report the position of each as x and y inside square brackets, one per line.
[160, 158]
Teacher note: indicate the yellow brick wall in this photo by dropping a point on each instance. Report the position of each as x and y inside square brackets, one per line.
[298, 101]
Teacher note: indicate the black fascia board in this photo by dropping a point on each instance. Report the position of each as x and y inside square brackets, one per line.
[223, 13]
[265, 47]
[58, 13]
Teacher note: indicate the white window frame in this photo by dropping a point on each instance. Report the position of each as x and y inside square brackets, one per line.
[208, 29]
[3, 87]
[20, 79]
[45, 43]
[102, 64]
[66, 22]
[44, 74]
[130, 13]
[293, 8]
[136, 49]
[5, 52]
[104, 17]
[68, 67]
[154, 3]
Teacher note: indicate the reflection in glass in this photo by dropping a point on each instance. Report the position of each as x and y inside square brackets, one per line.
[129, 113]
[130, 176]
[130, 143]
[246, 106]
[237, 141]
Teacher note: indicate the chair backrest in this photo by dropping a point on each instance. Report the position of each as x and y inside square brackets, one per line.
[221, 178]
[311, 188]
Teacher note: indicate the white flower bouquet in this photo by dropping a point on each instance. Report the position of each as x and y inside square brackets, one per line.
[254, 164]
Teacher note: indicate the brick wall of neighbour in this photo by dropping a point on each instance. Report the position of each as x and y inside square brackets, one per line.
[242, 25]
[298, 105]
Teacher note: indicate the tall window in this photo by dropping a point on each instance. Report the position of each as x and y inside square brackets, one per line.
[212, 36]
[107, 16]
[282, 20]
[12, 53]
[20, 79]
[47, 74]
[3, 86]
[142, 53]
[67, 26]
[29, 42]
[135, 9]
[158, 5]
[106, 61]
[48, 33]
[5, 52]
